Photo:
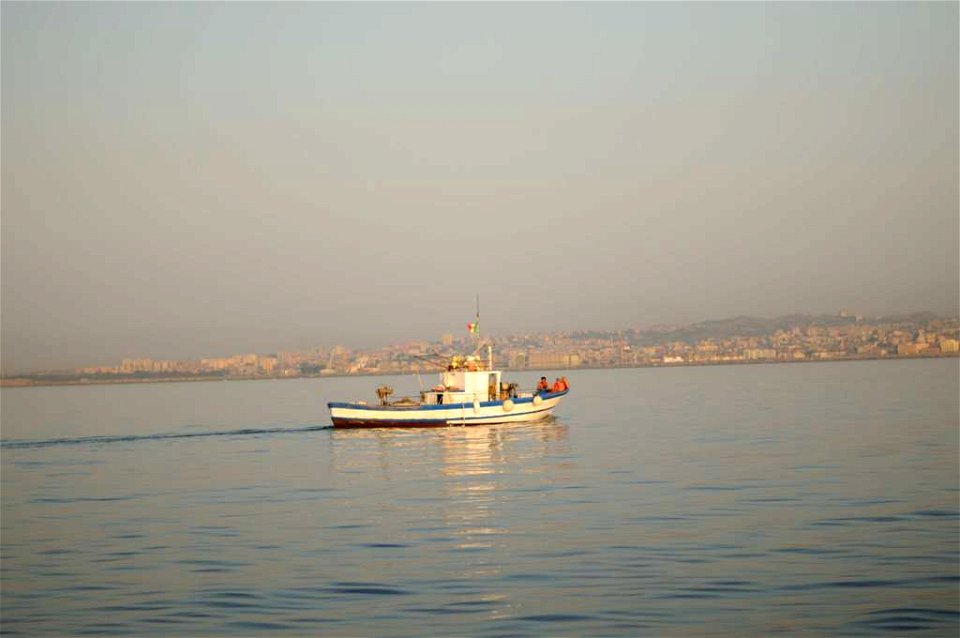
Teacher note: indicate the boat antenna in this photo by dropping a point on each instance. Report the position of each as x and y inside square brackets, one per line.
[430, 361]
[477, 339]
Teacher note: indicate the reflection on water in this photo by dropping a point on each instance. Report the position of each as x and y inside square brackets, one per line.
[472, 464]
[460, 451]
[477, 457]
[809, 499]
[467, 491]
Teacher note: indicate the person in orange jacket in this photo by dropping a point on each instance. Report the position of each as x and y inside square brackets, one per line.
[543, 386]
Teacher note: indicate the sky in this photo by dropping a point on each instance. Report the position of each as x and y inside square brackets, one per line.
[185, 180]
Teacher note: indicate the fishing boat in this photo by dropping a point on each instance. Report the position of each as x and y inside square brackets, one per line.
[470, 392]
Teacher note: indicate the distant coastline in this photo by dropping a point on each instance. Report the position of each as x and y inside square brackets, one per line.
[27, 382]
[734, 341]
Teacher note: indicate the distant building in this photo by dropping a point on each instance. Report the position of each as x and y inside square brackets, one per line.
[540, 358]
[906, 349]
[757, 354]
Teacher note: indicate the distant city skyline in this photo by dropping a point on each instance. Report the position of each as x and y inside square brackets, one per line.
[161, 344]
[187, 180]
[466, 338]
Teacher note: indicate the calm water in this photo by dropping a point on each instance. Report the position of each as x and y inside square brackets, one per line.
[805, 499]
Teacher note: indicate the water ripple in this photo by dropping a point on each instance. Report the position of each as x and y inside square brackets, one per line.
[98, 440]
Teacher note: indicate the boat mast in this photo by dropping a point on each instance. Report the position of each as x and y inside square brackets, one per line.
[479, 341]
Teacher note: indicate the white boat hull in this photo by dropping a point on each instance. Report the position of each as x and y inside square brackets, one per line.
[359, 415]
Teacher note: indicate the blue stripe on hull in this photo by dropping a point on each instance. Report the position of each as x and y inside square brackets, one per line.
[343, 422]
[442, 406]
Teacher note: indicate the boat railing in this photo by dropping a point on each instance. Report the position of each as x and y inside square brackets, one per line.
[457, 397]
[452, 397]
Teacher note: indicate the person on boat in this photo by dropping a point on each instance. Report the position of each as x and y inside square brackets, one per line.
[449, 378]
[543, 386]
[557, 386]
[566, 384]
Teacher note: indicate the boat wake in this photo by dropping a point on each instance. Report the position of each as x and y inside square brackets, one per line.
[128, 438]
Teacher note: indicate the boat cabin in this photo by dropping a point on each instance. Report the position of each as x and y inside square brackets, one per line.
[465, 381]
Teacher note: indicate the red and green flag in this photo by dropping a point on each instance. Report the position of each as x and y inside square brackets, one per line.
[474, 326]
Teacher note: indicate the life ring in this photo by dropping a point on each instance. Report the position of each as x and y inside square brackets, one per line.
[537, 400]
[507, 405]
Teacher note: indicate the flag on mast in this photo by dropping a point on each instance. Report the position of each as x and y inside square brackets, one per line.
[474, 326]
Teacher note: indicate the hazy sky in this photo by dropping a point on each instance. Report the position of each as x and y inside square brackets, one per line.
[199, 179]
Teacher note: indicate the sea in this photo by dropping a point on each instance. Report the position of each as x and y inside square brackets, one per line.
[804, 499]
